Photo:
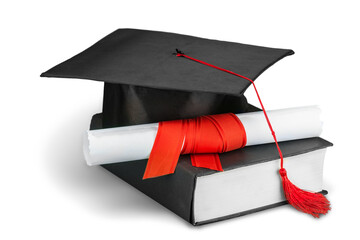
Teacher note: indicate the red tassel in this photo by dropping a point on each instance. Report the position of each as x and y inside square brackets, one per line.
[304, 201]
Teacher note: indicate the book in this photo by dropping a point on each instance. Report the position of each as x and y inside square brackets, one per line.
[249, 183]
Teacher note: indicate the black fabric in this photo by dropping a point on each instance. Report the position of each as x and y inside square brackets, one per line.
[145, 58]
[176, 191]
[128, 105]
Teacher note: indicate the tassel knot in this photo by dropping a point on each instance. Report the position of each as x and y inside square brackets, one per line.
[282, 172]
[179, 53]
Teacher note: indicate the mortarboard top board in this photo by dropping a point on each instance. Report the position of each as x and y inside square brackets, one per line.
[146, 82]
[146, 58]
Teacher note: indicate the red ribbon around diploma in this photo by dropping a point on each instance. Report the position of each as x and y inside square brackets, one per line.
[202, 137]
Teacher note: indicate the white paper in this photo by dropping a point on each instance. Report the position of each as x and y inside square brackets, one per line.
[135, 142]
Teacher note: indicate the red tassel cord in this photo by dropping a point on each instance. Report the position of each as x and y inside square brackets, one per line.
[304, 201]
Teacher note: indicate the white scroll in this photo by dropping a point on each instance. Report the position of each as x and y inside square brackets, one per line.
[135, 142]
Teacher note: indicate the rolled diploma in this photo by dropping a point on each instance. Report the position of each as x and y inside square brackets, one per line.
[135, 142]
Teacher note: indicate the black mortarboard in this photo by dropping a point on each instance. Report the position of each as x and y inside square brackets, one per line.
[146, 82]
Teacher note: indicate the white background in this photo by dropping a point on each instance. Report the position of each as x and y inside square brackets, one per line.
[48, 192]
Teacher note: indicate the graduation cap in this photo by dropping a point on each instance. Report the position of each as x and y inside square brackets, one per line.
[145, 81]
[154, 76]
